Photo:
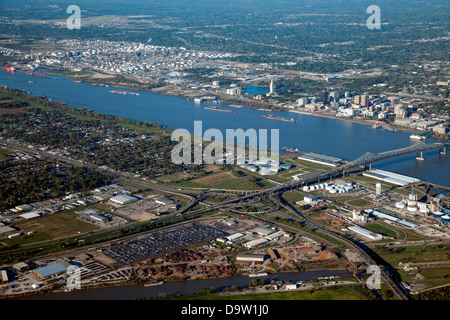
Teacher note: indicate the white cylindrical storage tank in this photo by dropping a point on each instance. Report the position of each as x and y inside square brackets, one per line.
[400, 205]
[446, 218]
[412, 208]
[329, 187]
[438, 214]
[321, 186]
[305, 188]
[348, 188]
[424, 210]
[312, 188]
[333, 190]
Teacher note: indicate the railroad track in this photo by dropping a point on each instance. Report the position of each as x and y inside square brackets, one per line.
[397, 291]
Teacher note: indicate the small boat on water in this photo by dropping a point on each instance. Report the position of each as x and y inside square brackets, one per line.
[261, 274]
[153, 284]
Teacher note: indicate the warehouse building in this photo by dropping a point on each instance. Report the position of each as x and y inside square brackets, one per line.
[50, 271]
[263, 231]
[366, 233]
[30, 215]
[123, 199]
[21, 266]
[6, 231]
[99, 217]
[321, 159]
[251, 257]
[386, 216]
[103, 196]
[4, 276]
[24, 207]
[164, 201]
[235, 237]
[276, 235]
[254, 243]
[390, 177]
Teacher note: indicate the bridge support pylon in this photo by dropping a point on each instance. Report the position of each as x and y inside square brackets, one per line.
[442, 151]
[421, 158]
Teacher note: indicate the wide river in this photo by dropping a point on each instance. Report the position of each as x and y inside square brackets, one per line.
[334, 137]
[131, 292]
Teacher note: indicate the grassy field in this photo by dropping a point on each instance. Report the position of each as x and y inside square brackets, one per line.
[342, 293]
[414, 253]
[293, 196]
[375, 227]
[359, 203]
[436, 276]
[50, 227]
[4, 155]
[68, 73]
[224, 180]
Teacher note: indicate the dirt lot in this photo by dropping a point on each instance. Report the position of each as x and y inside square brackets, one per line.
[216, 178]
[329, 220]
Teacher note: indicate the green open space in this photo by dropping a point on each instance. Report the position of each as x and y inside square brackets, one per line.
[231, 181]
[351, 292]
[49, 227]
[69, 73]
[4, 155]
[359, 203]
[293, 196]
[436, 276]
[414, 253]
[311, 165]
[378, 228]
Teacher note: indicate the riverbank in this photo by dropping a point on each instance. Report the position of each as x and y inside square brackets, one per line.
[176, 289]
[190, 94]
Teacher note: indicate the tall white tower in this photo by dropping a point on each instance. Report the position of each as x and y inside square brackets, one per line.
[378, 189]
[272, 87]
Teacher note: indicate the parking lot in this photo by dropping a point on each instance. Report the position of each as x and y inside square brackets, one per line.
[159, 243]
[108, 222]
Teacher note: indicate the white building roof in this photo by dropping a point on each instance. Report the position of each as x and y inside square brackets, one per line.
[30, 215]
[123, 199]
[366, 233]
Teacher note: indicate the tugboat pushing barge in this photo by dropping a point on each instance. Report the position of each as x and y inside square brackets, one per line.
[268, 116]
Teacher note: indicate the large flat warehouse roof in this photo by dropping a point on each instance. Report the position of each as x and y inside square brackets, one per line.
[390, 177]
[321, 158]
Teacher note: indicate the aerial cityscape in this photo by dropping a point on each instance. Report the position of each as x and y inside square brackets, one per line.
[243, 150]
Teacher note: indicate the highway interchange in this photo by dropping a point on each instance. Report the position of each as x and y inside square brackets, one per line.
[272, 193]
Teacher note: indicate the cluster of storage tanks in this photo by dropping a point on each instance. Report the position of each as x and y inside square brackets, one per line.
[440, 215]
[331, 187]
[265, 167]
[413, 206]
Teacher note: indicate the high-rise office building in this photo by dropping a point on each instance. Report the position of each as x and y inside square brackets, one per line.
[365, 100]
[324, 97]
